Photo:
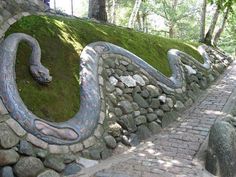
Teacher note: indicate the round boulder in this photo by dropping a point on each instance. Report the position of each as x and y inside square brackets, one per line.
[28, 167]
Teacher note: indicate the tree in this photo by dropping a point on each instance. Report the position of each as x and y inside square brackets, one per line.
[97, 10]
[134, 13]
[203, 21]
[174, 11]
[226, 14]
[111, 8]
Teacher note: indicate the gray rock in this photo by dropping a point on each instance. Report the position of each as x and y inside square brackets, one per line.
[54, 162]
[95, 154]
[28, 167]
[49, 173]
[113, 80]
[8, 157]
[86, 163]
[128, 81]
[41, 153]
[113, 98]
[143, 111]
[114, 129]
[125, 63]
[203, 83]
[140, 100]
[8, 139]
[109, 87]
[139, 79]
[136, 113]
[159, 113]
[154, 127]
[140, 120]
[26, 148]
[179, 106]
[71, 169]
[106, 153]
[154, 91]
[128, 123]
[151, 117]
[219, 67]
[118, 112]
[110, 141]
[168, 118]
[170, 102]
[162, 99]
[221, 151]
[111, 174]
[119, 91]
[130, 68]
[125, 106]
[6, 172]
[135, 106]
[133, 139]
[211, 78]
[155, 103]
[165, 107]
[145, 94]
[189, 102]
[143, 132]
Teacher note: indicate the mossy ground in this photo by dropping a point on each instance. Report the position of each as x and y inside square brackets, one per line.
[61, 41]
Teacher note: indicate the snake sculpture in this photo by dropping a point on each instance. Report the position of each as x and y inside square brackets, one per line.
[83, 124]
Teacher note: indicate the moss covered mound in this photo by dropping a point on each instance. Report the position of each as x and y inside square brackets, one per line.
[62, 40]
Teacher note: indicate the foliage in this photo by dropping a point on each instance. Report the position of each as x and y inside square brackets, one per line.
[62, 41]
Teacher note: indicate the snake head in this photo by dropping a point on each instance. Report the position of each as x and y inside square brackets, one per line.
[40, 74]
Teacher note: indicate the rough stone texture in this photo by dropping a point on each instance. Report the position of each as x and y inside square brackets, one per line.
[8, 157]
[7, 138]
[37, 142]
[6, 172]
[3, 110]
[28, 167]
[125, 106]
[143, 132]
[16, 127]
[221, 152]
[54, 162]
[49, 173]
[71, 169]
[86, 162]
[58, 149]
[171, 152]
[128, 81]
[26, 148]
[110, 141]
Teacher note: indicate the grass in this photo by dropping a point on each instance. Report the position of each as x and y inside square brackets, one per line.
[62, 40]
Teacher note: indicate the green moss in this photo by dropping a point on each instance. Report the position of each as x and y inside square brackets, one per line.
[62, 41]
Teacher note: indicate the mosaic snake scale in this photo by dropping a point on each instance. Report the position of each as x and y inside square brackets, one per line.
[83, 124]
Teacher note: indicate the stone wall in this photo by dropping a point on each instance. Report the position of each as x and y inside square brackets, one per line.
[134, 105]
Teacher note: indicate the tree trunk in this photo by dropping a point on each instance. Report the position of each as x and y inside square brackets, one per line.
[171, 31]
[203, 21]
[140, 27]
[221, 29]
[211, 29]
[72, 7]
[55, 7]
[97, 10]
[145, 23]
[171, 23]
[113, 11]
[134, 13]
